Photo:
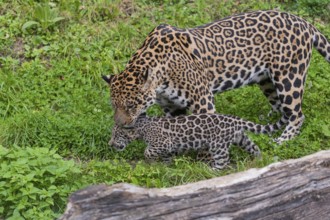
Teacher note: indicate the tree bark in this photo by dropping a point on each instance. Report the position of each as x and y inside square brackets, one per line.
[292, 189]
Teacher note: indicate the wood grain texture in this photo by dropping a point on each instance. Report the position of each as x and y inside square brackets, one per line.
[293, 189]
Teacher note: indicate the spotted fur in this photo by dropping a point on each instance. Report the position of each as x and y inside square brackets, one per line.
[209, 134]
[181, 69]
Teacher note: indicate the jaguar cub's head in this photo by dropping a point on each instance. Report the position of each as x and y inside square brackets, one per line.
[121, 137]
[132, 92]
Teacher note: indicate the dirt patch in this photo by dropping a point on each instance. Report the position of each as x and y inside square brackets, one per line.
[18, 47]
[127, 7]
[18, 50]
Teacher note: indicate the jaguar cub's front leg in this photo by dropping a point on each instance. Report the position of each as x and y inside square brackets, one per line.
[204, 156]
[220, 155]
[162, 152]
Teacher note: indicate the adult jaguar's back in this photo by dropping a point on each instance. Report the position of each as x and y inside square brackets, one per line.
[182, 68]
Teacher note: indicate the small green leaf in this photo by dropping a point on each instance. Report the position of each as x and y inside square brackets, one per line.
[29, 24]
[58, 19]
[326, 130]
[135, 180]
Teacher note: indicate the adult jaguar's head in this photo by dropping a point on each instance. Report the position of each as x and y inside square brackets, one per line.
[132, 92]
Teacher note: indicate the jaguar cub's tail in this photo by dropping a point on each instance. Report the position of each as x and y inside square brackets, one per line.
[321, 43]
[263, 129]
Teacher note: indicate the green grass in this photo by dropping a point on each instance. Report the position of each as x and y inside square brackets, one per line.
[55, 109]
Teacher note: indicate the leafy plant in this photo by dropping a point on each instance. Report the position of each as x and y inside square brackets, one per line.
[34, 182]
[101, 10]
[45, 17]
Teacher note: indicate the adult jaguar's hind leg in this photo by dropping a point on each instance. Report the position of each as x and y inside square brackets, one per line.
[268, 89]
[290, 90]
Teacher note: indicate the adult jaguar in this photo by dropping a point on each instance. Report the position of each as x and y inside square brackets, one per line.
[181, 69]
[209, 134]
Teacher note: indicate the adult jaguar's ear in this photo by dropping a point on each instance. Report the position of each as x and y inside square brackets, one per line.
[147, 78]
[146, 74]
[108, 78]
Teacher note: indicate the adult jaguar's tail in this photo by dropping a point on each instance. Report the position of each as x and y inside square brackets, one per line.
[321, 43]
[263, 129]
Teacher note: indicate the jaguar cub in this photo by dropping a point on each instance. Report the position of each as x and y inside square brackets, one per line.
[209, 134]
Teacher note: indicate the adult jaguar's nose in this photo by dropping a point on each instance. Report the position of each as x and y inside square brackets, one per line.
[121, 118]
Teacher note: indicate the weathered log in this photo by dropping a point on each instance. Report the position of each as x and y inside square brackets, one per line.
[293, 189]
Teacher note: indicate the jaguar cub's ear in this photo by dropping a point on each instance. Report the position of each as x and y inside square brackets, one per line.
[108, 78]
